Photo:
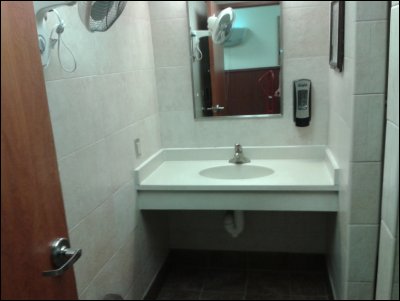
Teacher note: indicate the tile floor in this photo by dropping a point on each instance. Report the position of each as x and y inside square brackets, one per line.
[219, 275]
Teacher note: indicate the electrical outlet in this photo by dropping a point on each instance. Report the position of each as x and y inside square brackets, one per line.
[138, 147]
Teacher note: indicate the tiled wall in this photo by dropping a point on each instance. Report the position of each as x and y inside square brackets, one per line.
[356, 131]
[96, 114]
[388, 268]
[172, 61]
[287, 232]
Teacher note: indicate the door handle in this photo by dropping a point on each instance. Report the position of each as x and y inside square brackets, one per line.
[215, 108]
[62, 257]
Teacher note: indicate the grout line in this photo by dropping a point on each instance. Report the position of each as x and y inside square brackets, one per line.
[173, 67]
[370, 21]
[303, 6]
[364, 162]
[81, 148]
[99, 75]
[104, 265]
[157, 20]
[108, 198]
[392, 123]
[363, 94]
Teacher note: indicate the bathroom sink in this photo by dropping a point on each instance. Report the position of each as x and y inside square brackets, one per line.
[236, 172]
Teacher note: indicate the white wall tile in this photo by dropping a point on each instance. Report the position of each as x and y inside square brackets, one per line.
[171, 42]
[85, 181]
[340, 140]
[160, 10]
[96, 113]
[363, 252]
[301, 38]
[141, 100]
[354, 135]
[121, 155]
[69, 102]
[96, 236]
[395, 290]
[131, 47]
[387, 248]
[360, 290]
[372, 10]
[337, 259]
[341, 91]
[111, 94]
[291, 4]
[368, 127]
[174, 86]
[390, 190]
[350, 11]
[173, 134]
[116, 276]
[126, 211]
[148, 131]
[365, 193]
[393, 77]
[136, 10]
[370, 57]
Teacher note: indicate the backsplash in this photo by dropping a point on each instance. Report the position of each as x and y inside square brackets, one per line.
[172, 62]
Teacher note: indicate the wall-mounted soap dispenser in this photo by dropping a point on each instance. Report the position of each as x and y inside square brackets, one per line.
[302, 102]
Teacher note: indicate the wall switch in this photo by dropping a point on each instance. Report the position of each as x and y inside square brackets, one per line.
[138, 147]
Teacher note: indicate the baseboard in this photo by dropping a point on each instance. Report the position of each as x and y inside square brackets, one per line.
[156, 284]
[332, 286]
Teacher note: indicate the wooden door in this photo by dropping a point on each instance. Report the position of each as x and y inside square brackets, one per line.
[217, 70]
[32, 212]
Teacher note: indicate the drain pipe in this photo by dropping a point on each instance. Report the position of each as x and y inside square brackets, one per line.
[234, 222]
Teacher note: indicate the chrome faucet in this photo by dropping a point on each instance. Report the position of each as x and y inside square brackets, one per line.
[238, 157]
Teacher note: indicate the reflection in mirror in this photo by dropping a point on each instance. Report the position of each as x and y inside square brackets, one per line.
[235, 57]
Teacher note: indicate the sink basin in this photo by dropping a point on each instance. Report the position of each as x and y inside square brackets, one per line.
[236, 172]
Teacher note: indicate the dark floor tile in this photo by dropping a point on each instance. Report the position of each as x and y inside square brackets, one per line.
[306, 262]
[308, 284]
[225, 280]
[268, 283]
[178, 295]
[184, 279]
[188, 258]
[267, 261]
[208, 295]
[267, 297]
[227, 260]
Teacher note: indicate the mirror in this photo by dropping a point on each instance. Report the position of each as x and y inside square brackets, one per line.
[238, 74]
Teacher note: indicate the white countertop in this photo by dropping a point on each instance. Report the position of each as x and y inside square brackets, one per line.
[289, 175]
[296, 168]
[304, 178]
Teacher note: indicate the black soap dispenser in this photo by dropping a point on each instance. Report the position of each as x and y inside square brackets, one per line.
[302, 102]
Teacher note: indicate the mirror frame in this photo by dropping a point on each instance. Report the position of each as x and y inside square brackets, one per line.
[281, 51]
